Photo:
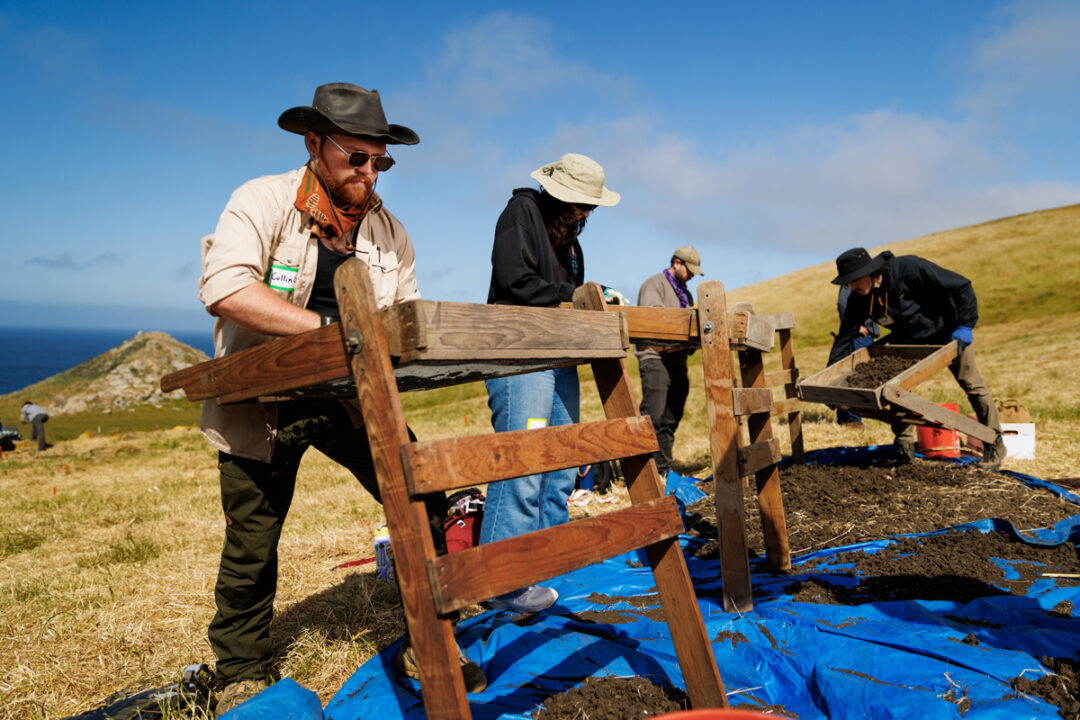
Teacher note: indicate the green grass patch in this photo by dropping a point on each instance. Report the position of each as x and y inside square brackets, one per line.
[19, 541]
[127, 550]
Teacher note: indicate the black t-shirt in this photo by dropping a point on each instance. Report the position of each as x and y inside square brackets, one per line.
[323, 300]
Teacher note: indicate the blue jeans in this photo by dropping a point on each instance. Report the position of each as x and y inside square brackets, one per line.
[526, 504]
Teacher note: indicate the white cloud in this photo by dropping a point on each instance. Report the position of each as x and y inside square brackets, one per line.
[801, 193]
[879, 177]
[1028, 49]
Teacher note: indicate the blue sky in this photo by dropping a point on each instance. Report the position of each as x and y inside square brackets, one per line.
[771, 136]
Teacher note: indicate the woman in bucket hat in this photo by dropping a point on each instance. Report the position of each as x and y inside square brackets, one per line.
[537, 261]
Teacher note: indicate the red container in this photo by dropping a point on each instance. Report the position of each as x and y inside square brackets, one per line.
[939, 442]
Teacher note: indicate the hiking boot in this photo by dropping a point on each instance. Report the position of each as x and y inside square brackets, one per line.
[237, 693]
[903, 451]
[531, 599]
[405, 661]
[993, 454]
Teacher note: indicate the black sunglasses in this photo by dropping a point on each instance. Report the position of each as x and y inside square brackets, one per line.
[359, 158]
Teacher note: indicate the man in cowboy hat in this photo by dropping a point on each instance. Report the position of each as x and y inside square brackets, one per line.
[664, 380]
[536, 260]
[267, 271]
[921, 304]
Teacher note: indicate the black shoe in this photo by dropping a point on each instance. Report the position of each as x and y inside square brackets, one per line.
[903, 452]
[993, 454]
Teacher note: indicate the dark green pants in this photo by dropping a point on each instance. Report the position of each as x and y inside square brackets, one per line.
[256, 497]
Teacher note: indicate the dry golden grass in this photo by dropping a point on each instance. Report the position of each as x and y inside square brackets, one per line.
[109, 548]
[109, 557]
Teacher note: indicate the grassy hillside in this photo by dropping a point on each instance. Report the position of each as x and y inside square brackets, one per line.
[1026, 273]
[110, 544]
[116, 391]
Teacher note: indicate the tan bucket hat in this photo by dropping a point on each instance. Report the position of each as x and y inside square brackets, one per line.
[576, 179]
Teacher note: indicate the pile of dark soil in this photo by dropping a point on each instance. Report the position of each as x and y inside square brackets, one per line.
[833, 505]
[830, 505]
[612, 698]
[623, 698]
[877, 371]
[956, 566]
[1061, 689]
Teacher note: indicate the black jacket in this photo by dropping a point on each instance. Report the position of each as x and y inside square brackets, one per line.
[921, 303]
[526, 269]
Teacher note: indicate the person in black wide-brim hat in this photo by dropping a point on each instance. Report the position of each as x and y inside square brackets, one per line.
[920, 303]
[268, 271]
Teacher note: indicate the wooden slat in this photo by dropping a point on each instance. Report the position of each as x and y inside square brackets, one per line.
[746, 401]
[787, 406]
[680, 327]
[770, 499]
[463, 578]
[791, 404]
[268, 369]
[780, 377]
[687, 629]
[748, 330]
[464, 331]
[723, 444]
[432, 636]
[759, 456]
[658, 325]
[937, 414]
[779, 321]
[439, 343]
[454, 463]
[927, 367]
[406, 324]
[827, 386]
[836, 372]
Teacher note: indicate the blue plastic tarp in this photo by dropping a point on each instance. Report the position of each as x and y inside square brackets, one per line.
[896, 659]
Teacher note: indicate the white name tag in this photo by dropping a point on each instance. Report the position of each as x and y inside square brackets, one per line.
[536, 423]
[282, 277]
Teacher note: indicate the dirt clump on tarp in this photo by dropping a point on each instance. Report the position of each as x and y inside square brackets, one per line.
[612, 698]
[1061, 688]
[624, 698]
[834, 505]
[877, 371]
[958, 566]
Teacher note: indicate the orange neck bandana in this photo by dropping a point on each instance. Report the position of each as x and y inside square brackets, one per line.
[330, 221]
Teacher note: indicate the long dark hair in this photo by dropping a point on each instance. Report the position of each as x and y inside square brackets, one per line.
[562, 225]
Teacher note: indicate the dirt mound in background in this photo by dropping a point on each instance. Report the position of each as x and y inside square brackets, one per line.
[833, 505]
[958, 566]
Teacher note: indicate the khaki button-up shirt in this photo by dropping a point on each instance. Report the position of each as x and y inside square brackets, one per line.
[262, 237]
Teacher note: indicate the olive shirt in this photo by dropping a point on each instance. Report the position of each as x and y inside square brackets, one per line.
[262, 237]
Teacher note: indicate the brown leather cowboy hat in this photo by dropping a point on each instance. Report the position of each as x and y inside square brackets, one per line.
[348, 109]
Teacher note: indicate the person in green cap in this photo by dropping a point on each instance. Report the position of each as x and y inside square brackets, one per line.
[664, 381]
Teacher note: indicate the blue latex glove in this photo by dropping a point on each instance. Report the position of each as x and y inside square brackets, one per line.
[963, 336]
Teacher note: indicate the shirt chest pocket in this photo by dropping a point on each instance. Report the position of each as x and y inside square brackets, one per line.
[383, 269]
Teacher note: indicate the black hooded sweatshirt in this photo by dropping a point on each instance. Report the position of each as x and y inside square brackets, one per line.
[526, 269]
[921, 303]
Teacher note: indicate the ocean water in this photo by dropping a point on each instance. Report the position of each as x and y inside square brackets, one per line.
[28, 355]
